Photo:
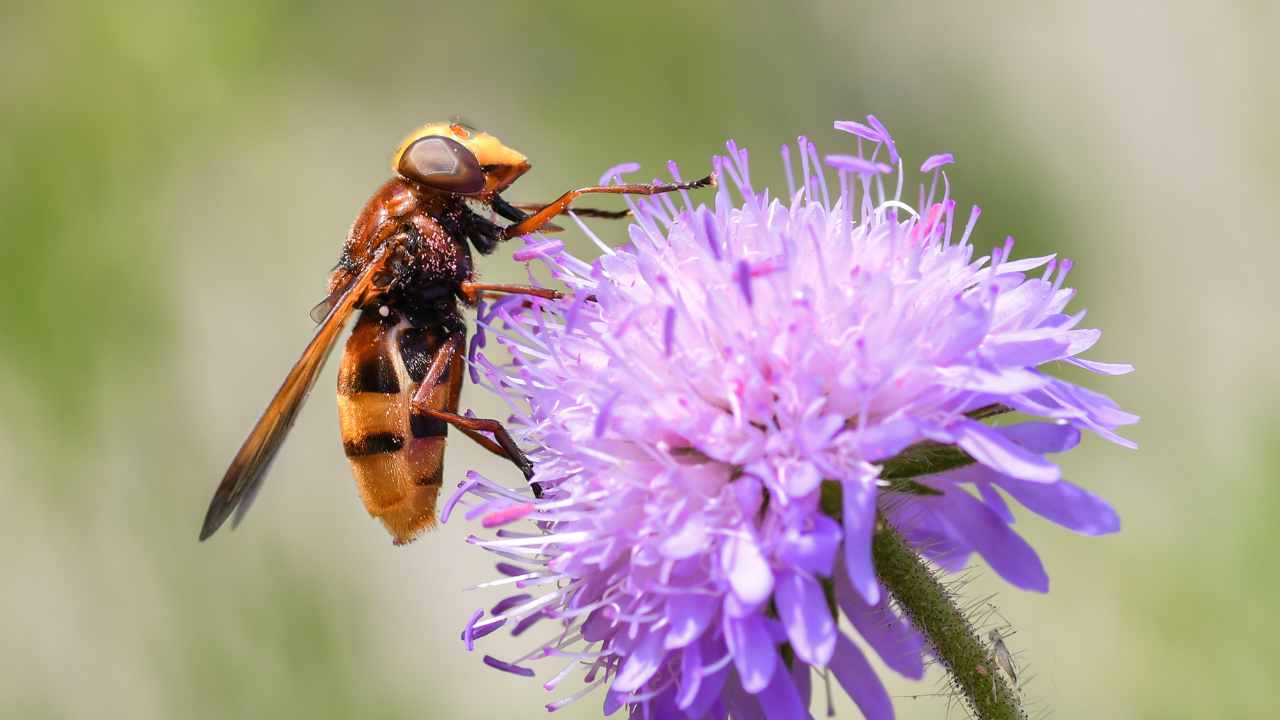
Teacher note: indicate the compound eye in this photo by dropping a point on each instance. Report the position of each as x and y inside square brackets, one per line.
[441, 163]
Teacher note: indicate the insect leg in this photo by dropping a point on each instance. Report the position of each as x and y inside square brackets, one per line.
[510, 450]
[484, 442]
[515, 212]
[543, 216]
[579, 211]
[451, 348]
[470, 291]
[450, 351]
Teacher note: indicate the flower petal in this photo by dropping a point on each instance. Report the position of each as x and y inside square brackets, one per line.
[710, 691]
[800, 479]
[1025, 264]
[1017, 352]
[689, 614]
[896, 642]
[1068, 505]
[690, 675]
[1042, 437]
[960, 333]
[802, 678]
[664, 705]
[739, 702]
[992, 449]
[744, 565]
[859, 680]
[711, 684]
[613, 701]
[878, 442]
[1002, 381]
[859, 520]
[1100, 407]
[1102, 368]
[810, 548]
[1007, 553]
[642, 662]
[689, 539]
[753, 650]
[780, 699]
[803, 610]
[991, 498]
[599, 625]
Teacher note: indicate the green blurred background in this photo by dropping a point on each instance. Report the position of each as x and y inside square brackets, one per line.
[177, 180]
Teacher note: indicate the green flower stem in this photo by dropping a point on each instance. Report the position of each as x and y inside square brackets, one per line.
[915, 586]
[955, 644]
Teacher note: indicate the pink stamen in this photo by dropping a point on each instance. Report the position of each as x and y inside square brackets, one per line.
[925, 229]
[508, 515]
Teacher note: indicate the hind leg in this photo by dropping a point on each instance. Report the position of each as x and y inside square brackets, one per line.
[503, 447]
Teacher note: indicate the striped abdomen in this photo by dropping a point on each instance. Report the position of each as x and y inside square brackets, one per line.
[397, 458]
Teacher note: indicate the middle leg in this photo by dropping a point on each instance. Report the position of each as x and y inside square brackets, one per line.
[470, 291]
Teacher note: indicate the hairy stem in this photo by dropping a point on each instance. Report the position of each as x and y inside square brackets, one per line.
[955, 644]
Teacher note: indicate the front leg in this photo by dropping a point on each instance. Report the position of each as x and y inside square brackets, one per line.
[515, 212]
[538, 220]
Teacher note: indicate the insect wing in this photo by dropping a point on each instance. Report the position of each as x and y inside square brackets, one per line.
[1003, 657]
[240, 484]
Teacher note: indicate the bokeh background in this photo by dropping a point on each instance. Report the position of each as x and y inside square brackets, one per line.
[176, 179]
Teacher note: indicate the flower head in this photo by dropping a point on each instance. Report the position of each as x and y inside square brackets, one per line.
[695, 400]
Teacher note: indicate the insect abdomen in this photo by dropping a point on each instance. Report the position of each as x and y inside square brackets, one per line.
[397, 458]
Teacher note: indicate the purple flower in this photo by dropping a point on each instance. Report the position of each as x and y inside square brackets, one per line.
[692, 399]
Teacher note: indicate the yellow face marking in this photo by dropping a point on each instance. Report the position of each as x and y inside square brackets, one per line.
[505, 163]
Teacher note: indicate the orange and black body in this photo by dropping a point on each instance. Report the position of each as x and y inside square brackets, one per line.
[406, 269]
[396, 454]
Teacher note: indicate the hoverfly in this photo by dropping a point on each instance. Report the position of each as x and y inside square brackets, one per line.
[405, 266]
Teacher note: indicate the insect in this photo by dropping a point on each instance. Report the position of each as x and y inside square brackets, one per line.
[405, 267]
[1004, 658]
